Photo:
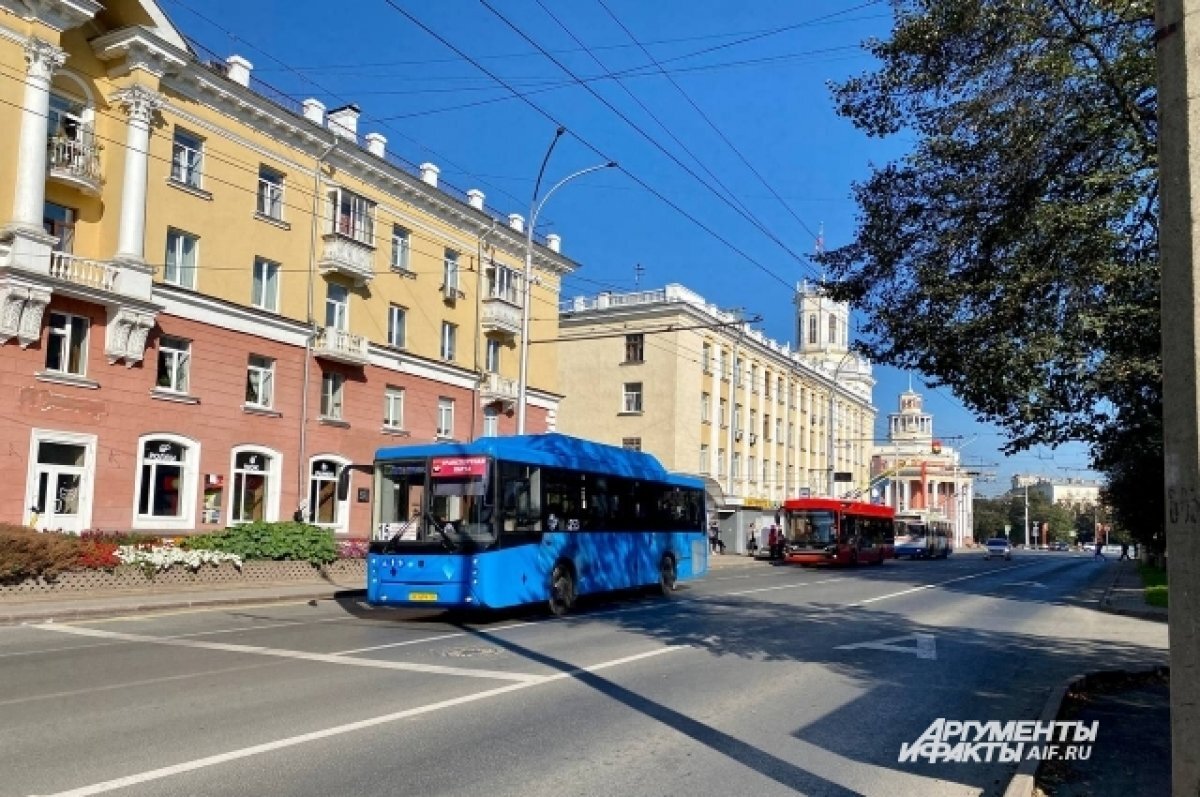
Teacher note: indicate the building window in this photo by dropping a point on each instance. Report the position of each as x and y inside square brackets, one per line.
[779, 390]
[724, 412]
[323, 506]
[633, 397]
[833, 325]
[723, 363]
[737, 419]
[331, 395]
[352, 216]
[767, 384]
[400, 248]
[779, 429]
[260, 381]
[766, 472]
[450, 274]
[737, 371]
[393, 408]
[491, 422]
[502, 283]
[736, 467]
[766, 428]
[751, 470]
[449, 336]
[160, 492]
[631, 443]
[270, 193]
[635, 348]
[704, 464]
[253, 473]
[753, 423]
[264, 290]
[59, 221]
[174, 357]
[492, 358]
[445, 418]
[812, 329]
[721, 463]
[753, 378]
[187, 151]
[337, 307]
[706, 358]
[397, 322]
[705, 408]
[66, 348]
[180, 263]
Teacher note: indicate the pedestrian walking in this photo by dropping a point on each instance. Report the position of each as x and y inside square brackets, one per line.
[714, 539]
[1099, 551]
[773, 542]
[1125, 552]
[751, 541]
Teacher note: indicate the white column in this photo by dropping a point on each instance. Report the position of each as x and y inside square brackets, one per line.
[41, 59]
[140, 103]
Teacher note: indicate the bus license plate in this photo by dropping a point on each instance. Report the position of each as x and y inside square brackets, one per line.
[422, 596]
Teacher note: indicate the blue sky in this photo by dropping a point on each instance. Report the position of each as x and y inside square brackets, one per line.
[731, 162]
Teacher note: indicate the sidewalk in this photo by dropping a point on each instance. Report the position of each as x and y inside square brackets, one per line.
[1132, 753]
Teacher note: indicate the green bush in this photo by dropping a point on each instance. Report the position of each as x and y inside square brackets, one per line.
[261, 540]
[1154, 579]
[26, 553]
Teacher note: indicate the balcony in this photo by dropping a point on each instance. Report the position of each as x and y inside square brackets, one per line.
[94, 274]
[501, 316]
[495, 388]
[340, 346]
[76, 163]
[348, 257]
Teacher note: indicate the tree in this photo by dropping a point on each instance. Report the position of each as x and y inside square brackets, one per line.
[1022, 226]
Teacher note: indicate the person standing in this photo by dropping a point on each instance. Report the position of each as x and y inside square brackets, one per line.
[1099, 551]
[1125, 552]
[751, 541]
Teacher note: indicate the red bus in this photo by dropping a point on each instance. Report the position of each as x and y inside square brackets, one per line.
[835, 531]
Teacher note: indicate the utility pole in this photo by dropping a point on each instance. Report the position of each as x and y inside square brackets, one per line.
[1178, 46]
[1026, 515]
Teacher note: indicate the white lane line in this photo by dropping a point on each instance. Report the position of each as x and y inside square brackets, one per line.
[771, 589]
[350, 727]
[923, 587]
[300, 655]
[422, 640]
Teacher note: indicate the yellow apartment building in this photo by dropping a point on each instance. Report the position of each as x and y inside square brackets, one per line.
[213, 300]
[667, 372]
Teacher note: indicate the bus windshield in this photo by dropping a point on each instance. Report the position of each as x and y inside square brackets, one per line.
[437, 504]
[811, 528]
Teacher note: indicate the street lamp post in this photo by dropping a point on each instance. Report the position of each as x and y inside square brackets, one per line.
[535, 207]
[832, 398]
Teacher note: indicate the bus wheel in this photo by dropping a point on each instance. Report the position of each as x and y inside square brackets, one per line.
[562, 589]
[666, 576]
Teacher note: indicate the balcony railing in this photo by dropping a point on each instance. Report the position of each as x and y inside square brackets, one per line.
[336, 344]
[75, 162]
[82, 271]
[501, 316]
[348, 257]
[498, 388]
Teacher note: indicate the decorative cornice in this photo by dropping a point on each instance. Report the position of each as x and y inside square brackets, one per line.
[138, 48]
[57, 14]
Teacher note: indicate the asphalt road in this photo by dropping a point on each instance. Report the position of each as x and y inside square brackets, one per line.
[757, 680]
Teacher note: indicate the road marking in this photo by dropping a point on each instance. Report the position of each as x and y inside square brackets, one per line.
[351, 727]
[923, 587]
[771, 589]
[1025, 584]
[300, 655]
[925, 647]
[438, 638]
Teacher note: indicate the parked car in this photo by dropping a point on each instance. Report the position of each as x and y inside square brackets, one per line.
[1059, 546]
[997, 546]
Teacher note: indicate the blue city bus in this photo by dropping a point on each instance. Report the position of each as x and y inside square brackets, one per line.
[506, 521]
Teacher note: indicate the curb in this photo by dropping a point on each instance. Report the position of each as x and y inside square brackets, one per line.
[1023, 783]
[75, 613]
[1140, 614]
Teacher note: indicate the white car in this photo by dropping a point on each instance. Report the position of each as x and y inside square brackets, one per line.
[998, 547]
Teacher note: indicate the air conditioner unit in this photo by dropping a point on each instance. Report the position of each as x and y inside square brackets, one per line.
[753, 438]
[449, 292]
[737, 435]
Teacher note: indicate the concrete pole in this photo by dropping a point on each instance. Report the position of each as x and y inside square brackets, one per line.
[1178, 35]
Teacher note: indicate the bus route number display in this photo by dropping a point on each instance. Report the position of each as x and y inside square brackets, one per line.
[457, 467]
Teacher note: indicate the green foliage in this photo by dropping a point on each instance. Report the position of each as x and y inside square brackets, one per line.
[25, 553]
[262, 540]
[1022, 226]
[1154, 579]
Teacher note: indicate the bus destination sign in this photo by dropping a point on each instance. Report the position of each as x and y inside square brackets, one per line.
[455, 467]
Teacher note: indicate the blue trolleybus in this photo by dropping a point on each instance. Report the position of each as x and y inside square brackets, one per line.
[505, 521]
